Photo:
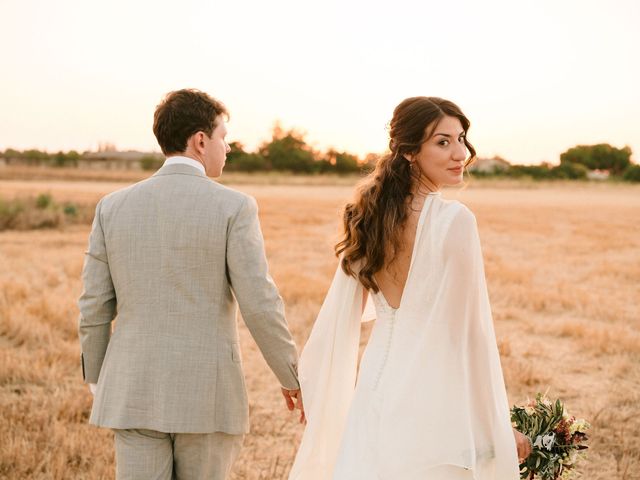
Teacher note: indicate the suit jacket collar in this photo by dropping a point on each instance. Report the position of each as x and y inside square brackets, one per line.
[179, 169]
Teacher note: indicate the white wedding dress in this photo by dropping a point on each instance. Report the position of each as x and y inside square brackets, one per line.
[429, 402]
[359, 454]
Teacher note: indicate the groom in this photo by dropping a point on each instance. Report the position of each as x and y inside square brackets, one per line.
[168, 255]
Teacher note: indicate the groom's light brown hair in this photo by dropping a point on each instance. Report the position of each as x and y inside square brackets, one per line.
[183, 113]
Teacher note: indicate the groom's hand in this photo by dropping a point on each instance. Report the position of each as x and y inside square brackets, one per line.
[293, 398]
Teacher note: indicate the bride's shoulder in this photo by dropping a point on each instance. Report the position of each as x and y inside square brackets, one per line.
[454, 211]
[455, 227]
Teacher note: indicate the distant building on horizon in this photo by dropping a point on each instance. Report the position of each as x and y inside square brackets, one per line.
[104, 159]
[489, 165]
[598, 174]
[113, 160]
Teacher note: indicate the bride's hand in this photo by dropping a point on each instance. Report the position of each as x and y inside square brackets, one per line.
[524, 445]
[300, 406]
[289, 397]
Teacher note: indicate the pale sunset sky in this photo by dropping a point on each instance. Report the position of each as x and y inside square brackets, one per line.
[534, 77]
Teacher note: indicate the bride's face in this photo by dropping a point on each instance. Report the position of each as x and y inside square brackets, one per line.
[441, 158]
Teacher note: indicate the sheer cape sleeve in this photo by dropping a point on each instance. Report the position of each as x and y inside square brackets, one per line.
[327, 374]
[447, 403]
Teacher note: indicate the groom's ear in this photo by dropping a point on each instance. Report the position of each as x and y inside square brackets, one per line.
[196, 142]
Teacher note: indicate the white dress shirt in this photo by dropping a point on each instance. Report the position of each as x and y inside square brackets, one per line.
[179, 159]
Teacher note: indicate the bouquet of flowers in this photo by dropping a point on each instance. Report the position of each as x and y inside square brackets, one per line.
[556, 436]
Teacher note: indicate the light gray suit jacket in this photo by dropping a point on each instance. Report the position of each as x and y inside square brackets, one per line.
[166, 254]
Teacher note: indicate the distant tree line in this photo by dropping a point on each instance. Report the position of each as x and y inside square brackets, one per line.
[287, 151]
[39, 157]
[576, 163]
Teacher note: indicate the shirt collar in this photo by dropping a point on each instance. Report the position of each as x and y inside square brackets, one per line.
[179, 159]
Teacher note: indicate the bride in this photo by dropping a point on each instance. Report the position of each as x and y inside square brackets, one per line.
[429, 401]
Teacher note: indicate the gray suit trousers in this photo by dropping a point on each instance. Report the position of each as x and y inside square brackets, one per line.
[151, 455]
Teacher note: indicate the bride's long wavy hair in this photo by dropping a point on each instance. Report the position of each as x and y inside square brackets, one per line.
[373, 223]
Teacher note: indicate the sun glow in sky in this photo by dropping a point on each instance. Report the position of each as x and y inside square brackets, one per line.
[534, 77]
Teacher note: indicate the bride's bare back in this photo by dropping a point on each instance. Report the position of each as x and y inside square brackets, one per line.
[393, 276]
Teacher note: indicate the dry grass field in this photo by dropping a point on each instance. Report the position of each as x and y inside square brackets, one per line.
[563, 266]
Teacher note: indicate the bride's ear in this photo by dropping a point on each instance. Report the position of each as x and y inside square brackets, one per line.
[408, 157]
